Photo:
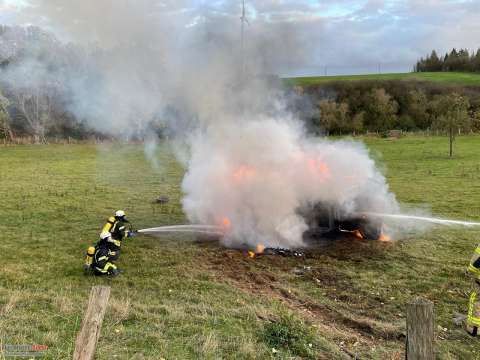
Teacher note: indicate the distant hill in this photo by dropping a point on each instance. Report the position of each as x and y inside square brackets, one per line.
[455, 78]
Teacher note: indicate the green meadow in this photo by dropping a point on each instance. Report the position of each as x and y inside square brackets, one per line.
[180, 297]
[453, 78]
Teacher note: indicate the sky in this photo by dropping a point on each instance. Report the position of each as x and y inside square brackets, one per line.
[341, 36]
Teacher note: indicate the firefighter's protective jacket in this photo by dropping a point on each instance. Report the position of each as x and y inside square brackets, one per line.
[119, 230]
[474, 266]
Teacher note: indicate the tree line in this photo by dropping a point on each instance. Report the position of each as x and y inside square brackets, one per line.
[457, 60]
[37, 72]
[359, 107]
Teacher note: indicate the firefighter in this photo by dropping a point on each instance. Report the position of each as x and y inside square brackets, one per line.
[101, 258]
[102, 262]
[473, 318]
[119, 228]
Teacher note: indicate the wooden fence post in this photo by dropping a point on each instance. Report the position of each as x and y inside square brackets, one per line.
[420, 330]
[92, 323]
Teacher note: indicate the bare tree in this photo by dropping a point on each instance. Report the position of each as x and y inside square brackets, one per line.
[36, 105]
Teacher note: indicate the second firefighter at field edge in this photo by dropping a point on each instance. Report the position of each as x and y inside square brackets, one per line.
[472, 321]
[101, 258]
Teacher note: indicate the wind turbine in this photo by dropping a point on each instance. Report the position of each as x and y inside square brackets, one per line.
[244, 21]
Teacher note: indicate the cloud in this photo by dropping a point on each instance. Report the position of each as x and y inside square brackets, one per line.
[9, 10]
[386, 33]
[346, 36]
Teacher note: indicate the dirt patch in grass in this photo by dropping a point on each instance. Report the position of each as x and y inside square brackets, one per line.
[274, 277]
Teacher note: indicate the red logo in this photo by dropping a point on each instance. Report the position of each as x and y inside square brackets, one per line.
[39, 347]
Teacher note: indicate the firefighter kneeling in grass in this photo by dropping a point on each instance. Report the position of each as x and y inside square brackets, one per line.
[100, 259]
[473, 318]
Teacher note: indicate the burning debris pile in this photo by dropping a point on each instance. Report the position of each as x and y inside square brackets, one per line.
[266, 183]
[275, 251]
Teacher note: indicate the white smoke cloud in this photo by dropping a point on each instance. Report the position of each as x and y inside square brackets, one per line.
[254, 177]
[142, 58]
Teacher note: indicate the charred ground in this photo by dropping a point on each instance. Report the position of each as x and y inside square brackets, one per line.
[344, 310]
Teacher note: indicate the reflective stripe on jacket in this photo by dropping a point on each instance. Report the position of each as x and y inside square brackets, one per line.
[473, 310]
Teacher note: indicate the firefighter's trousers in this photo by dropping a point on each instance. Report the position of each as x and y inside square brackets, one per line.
[473, 318]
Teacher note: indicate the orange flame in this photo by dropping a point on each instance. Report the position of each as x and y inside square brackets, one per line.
[358, 234]
[225, 224]
[384, 237]
[319, 168]
[259, 249]
[244, 173]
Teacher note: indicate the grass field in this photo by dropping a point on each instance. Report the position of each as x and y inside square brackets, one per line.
[454, 78]
[184, 299]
